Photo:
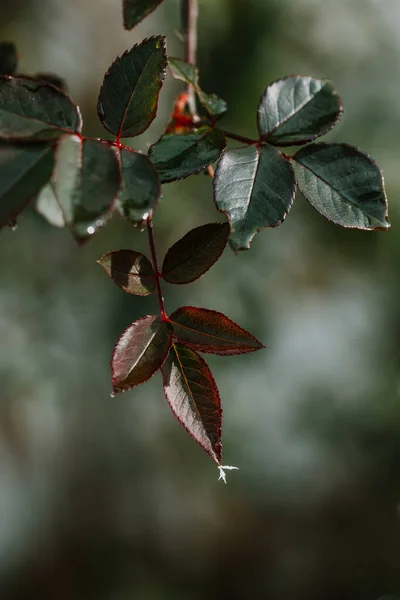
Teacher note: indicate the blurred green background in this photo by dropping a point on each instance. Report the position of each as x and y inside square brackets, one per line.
[110, 499]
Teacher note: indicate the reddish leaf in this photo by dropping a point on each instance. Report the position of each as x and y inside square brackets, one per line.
[211, 331]
[195, 253]
[140, 352]
[193, 396]
[130, 270]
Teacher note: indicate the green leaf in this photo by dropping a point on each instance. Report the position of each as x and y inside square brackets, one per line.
[211, 331]
[47, 206]
[140, 352]
[130, 270]
[135, 11]
[129, 95]
[254, 187]
[86, 182]
[193, 396]
[296, 110]
[178, 156]
[8, 58]
[343, 184]
[37, 110]
[24, 170]
[141, 186]
[195, 253]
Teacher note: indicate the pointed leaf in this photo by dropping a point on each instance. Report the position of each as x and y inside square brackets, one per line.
[34, 109]
[254, 187]
[213, 104]
[24, 170]
[8, 58]
[86, 181]
[130, 270]
[343, 184]
[136, 10]
[193, 396]
[178, 156]
[212, 332]
[129, 95]
[47, 206]
[195, 253]
[140, 352]
[296, 110]
[141, 189]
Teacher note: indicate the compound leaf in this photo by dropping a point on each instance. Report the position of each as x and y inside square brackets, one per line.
[140, 352]
[8, 58]
[178, 156]
[24, 170]
[212, 332]
[130, 270]
[342, 184]
[141, 188]
[195, 253]
[129, 95]
[35, 109]
[193, 396]
[296, 110]
[135, 11]
[254, 187]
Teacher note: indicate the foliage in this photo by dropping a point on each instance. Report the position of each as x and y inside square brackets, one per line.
[78, 182]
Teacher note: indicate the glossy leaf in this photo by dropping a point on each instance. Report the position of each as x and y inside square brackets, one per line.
[212, 332]
[130, 270]
[193, 396]
[48, 207]
[296, 110]
[343, 184]
[178, 156]
[86, 181]
[140, 352]
[24, 170]
[254, 187]
[135, 11]
[195, 253]
[8, 58]
[141, 189]
[129, 95]
[34, 109]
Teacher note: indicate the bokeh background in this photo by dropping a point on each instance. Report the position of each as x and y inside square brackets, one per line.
[109, 499]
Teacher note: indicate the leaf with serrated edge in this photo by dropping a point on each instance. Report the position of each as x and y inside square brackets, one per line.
[35, 110]
[140, 352]
[135, 11]
[255, 188]
[8, 58]
[129, 95]
[178, 156]
[193, 396]
[296, 110]
[130, 270]
[141, 189]
[211, 332]
[343, 184]
[24, 170]
[195, 253]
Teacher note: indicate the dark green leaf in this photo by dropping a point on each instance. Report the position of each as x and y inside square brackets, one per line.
[140, 352]
[296, 110]
[129, 95]
[24, 169]
[136, 10]
[8, 58]
[193, 396]
[178, 156]
[55, 80]
[195, 253]
[141, 186]
[86, 181]
[211, 331]
[254, 187]
[214, 105]
[33, 109]
[130, 270]
[343, 184]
